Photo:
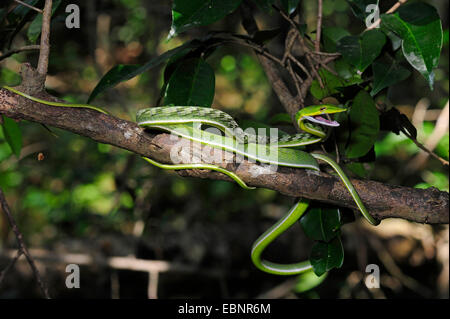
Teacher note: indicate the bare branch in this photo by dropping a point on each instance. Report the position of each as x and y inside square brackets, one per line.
[45, 39]
[22, 247]
[18, 50]
[319, 25]
[391, 10]
[28, 6]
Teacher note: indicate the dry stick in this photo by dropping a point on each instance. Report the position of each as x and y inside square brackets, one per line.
[10, 266]
[295, 79]
[45, 39]
[22, 247]
[305, 47]
[314, 71]
[18, 50]
[439, 131]
[28, 6]
[322, 64]
[319, 25]
[391, 10]
[299, 64]
[290, 39]
[258, 48]
[273, 74]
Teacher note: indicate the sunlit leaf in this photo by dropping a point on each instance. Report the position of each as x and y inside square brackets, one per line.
[420, 27]
[191, 13]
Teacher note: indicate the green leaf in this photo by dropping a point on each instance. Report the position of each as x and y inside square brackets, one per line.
[358, 169]
[364, 125]
[121, 72]
[16, 20]
[191, 13]
[321, 223]
[387, 72]
[289, 6]
[192, 83]
[34, 30]
[331, 83]
[20, 11]
[8, 77]
[326, 256]
[359, 7]
[396, 41]
[265, 5]
[419, 26]
[13, 135]
[331, 36]
[347, 71]
[280, 118]
[363, 50]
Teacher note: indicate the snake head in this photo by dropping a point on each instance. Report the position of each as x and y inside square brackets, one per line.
[314, 113]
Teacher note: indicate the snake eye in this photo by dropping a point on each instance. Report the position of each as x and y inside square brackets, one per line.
[323, 108]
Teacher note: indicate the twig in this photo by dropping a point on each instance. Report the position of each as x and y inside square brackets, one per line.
[291, 22]
[45, 39]
[391, 10]
[9, 267]
[297, 80]
[299, 64]
[28, 6]
[323, 64]
[441, 128]
[18, 50]
[289, 42]
[314, 70]
[319, 25]
[22, 247]
[258, 48]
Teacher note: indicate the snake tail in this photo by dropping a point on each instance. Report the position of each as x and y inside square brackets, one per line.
[51, 103]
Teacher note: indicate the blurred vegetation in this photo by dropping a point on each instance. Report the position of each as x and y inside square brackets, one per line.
[85, 197]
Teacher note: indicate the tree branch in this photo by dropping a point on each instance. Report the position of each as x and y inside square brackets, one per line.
[28, 6]
[18, 50]
[22, 247]
[45, 39]
[382, 200]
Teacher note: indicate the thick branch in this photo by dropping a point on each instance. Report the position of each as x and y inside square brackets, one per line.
[382, 200]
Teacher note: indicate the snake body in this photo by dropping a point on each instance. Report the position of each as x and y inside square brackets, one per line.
[187, 122]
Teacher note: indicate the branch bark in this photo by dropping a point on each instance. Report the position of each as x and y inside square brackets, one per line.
[382, 200]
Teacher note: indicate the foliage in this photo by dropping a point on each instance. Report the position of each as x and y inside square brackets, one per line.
[197, 66]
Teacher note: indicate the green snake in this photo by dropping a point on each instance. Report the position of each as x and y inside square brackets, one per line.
[187, 122]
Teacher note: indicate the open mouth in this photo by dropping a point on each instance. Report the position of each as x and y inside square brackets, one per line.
[321, 120]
